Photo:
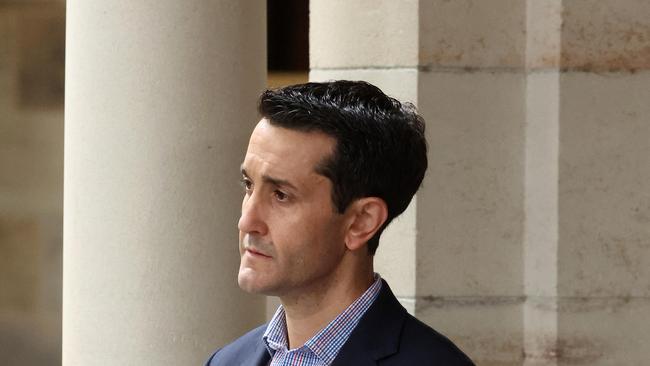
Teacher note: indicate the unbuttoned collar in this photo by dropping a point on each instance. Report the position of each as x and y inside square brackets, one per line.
[327, 343]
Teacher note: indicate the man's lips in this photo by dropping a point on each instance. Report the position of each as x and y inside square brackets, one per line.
[256, 253]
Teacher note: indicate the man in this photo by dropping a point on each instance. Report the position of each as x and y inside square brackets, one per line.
[327, 169]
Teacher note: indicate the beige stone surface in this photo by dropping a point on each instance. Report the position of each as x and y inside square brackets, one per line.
[543, 34]
[604, 186]
[603, 331]
[487, 329]
[396, 256]
[472, 33]
[540, 327]
[606, 35]
[540, 243]
[581, 330]
[160, 101]
[470, 208]
[591, 35]
[363, 33]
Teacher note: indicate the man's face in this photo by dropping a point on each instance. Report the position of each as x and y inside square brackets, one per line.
[290, 238]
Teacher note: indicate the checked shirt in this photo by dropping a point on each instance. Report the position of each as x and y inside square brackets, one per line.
[322, 348]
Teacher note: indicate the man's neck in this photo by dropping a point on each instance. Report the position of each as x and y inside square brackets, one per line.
[309, 312]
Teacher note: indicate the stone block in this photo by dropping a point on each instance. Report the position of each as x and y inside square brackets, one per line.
[606, 35]
[472, 33]
[470, 208]
[603, 331]
[363, 33]
[580, 330]
[487, 329]
[604, 186]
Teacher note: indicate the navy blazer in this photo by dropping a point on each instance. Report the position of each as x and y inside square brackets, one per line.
[386, 335]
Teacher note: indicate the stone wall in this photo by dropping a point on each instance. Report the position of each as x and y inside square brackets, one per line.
[528, 242]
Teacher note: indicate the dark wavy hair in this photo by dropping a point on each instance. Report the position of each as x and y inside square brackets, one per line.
[381, 150]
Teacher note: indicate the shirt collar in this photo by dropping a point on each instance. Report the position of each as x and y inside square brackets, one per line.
[328, 341]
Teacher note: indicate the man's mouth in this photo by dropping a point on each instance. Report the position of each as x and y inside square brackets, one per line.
[256, 253]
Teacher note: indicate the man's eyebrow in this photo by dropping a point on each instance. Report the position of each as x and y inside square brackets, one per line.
[272, 180]
[278, 182]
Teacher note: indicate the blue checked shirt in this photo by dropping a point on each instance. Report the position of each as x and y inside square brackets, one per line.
[322, 348]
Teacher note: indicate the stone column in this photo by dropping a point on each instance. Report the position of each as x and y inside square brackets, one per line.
[160, 100]
[528, 242]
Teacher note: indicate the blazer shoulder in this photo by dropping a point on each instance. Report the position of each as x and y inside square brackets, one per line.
[244, 346]
[388, 335]
[425, 343]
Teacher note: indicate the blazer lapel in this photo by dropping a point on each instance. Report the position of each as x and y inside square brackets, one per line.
[378, 333]
[259, 356]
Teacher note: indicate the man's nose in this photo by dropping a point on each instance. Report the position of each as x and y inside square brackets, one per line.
[252, 216]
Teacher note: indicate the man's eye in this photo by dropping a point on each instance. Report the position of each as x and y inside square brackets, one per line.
[280, 196]
[246, 184]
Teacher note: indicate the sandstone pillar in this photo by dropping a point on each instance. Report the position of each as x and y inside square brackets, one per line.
[160, 99]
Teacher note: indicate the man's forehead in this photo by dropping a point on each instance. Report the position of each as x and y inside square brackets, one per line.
[285, 153]
[270, 141]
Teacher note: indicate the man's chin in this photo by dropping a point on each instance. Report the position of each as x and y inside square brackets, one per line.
[252, 285]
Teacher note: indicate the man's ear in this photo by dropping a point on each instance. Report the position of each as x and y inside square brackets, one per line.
[367, 215]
